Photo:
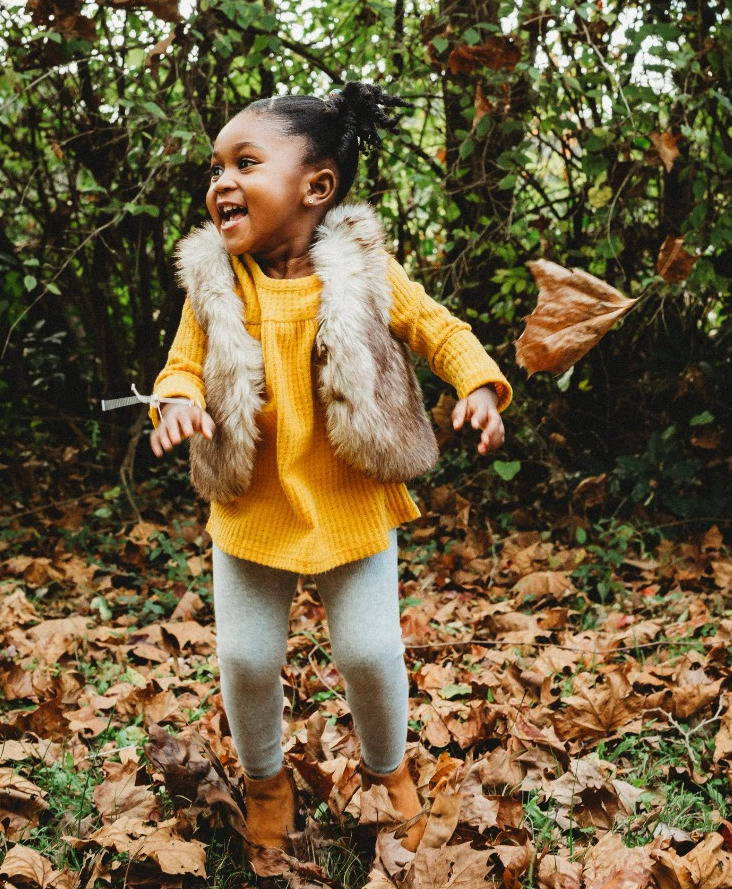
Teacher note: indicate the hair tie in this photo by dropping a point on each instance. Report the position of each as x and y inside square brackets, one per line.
[333, 93]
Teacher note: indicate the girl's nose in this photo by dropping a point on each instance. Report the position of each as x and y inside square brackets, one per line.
[224, 181]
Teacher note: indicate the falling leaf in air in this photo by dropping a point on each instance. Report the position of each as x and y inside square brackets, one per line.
[574, 311]
[674, 262]
[666, 148]
[483, 105]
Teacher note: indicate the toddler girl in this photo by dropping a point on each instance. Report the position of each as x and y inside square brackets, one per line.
[306, 420]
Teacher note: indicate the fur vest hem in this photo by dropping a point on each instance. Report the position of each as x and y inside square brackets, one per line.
[376, 421]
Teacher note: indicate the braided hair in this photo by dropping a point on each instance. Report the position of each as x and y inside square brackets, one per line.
[341, 127]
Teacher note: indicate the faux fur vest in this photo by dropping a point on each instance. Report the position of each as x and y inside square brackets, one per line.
[375, 416]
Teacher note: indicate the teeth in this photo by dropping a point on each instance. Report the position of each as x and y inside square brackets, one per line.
[227, 210]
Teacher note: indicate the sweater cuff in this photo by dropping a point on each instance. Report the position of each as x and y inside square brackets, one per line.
[499, 383]
[177, 386]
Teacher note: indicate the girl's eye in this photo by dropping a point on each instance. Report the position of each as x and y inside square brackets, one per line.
[216, 171]
[245, 162]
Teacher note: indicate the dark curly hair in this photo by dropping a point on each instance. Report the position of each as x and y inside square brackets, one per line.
[339, 128]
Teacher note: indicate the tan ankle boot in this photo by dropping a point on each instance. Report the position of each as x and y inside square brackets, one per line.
[270, 810]
[403, 796]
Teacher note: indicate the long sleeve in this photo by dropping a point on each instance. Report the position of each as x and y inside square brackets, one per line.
[454, 353]
[182, 375]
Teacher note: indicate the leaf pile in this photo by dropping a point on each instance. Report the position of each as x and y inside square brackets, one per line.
[569, 717]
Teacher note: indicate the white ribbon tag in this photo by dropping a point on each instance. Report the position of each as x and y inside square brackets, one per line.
[154, 400]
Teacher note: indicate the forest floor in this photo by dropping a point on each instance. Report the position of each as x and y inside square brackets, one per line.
[570, 719]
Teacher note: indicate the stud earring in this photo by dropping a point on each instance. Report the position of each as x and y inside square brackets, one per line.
[310, 200]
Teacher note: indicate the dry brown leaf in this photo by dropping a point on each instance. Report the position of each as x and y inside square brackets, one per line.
[482, 104]
[612, 865]
[516, 858]
[377, 809]
[544, 584]
[167, 10]
[666, 147]
[483, 811]
[443, 819]
[188, 635]
[31, 870]
[501, 767]
[707, 866]
[16, 610]
[450, 867]
[587, 795]
[21, 804]
[496, 53]
[379, 880]
[688, 699]
[62, 17]
[119, 794]
[159, 843]
[674, 263]
[597, 712]
[194, 777]
[558, 872]
[574, 311]
[55, 638]
[723, 739]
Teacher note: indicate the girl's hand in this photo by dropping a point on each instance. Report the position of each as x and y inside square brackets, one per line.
[180, 421]
[480, 407]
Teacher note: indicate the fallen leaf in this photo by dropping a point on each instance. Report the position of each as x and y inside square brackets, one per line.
[559, 872]
[706, 866]
[194, 777]
[21, 804]
[612, 865]
[443, 819]
[119, 794]
[450, 867]
[31, 870]
[159, 843]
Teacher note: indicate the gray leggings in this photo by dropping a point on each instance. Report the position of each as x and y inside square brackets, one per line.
[252, 604]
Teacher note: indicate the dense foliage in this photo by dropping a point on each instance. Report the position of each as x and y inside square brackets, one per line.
[589, 133]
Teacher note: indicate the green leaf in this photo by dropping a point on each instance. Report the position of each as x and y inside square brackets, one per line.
[100, 604]
[440, 44]
[29, 282]
[702, 419]
[507, 470]
[455, 691]
[155, 110]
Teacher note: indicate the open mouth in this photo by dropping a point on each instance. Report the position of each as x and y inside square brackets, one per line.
[231, 213]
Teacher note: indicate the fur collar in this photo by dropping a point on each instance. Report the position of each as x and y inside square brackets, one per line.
[374, 412]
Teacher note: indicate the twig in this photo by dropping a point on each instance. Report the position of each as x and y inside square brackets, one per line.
[53, 504]
[323, 681]
[687, 733]
[500, 643]
[106, 753]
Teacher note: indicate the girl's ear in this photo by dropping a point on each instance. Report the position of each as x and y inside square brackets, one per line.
[322, 187]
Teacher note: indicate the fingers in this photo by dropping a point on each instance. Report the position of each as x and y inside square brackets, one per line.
[179, 423]
[459, 413]
[493, 435]
[480, 409]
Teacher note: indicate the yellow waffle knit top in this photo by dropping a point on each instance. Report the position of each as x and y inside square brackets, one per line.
[306, 510]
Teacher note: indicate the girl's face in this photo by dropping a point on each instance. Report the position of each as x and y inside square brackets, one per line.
[262, 197]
